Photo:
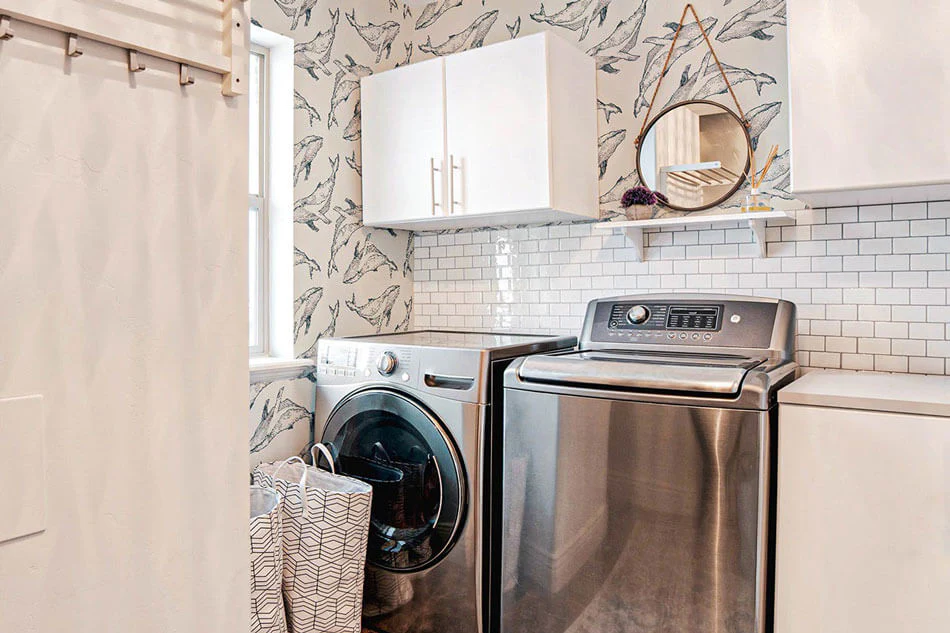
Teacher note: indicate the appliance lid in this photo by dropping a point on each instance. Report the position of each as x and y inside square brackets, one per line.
[709, 374]
[479, 341]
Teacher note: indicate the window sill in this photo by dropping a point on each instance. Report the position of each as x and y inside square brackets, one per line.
[268, 369]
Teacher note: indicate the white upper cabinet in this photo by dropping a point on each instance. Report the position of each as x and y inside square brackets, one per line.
[403, 143]
[518, 127]
[870, 100]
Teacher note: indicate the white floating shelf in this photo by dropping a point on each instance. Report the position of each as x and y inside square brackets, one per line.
[756, 221]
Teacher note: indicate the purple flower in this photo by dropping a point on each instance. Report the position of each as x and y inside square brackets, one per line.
[638, 196]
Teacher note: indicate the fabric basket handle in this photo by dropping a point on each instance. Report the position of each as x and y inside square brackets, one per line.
[327, 454]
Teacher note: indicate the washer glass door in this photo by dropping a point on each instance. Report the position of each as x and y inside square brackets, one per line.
[392, 442]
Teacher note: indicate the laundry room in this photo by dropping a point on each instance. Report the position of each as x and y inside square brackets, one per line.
[474, 316]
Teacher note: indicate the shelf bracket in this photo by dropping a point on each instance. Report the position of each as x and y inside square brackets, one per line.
[6, 31]
[758, 231]
[635, 237]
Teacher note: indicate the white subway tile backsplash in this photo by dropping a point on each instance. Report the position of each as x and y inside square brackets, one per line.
[871, 284]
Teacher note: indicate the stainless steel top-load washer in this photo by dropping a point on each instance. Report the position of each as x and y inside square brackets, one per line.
[412, 415]
[638, 469]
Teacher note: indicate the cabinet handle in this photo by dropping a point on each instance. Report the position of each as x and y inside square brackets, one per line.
[433, 170]
[452, 169]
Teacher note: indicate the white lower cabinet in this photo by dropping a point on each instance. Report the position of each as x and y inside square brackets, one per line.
[512, 129]
[863, 534]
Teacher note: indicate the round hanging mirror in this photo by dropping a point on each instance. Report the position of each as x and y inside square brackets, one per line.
[696, 153]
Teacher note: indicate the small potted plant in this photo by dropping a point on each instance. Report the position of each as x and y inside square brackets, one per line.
[640, 203]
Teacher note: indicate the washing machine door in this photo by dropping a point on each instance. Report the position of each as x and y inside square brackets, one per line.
[391, 441]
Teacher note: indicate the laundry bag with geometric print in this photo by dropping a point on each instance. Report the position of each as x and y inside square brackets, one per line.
[325, 520]
[267, 601]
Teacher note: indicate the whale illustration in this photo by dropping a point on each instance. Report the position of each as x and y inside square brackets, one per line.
[759, 119]
[407, 261]
[379, 37]
[690, 36]
[609, 109]
[408, 58]
[352, 131]
[314, 207]
[625, 36]
[404, 324]
[354, 164]
[302, 259]
[301, 104]
[755, 21]
[687, 88]
[377, 310]
[514, 29]
[715, 84]
[315, 54]
[346, 82]
[575, 16]
[329, 330]
[608, 64]
[607, 145]
[347, 222]
[433, 11]
[305, 151]
[367, 258]
[284, 415]
[611, 198]
[295, 9]
[472, 37]
[304, 306]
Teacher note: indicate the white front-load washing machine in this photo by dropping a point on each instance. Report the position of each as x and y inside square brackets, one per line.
[412, 414]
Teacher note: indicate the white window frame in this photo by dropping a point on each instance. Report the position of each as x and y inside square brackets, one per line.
[259, 202]
[275, 359]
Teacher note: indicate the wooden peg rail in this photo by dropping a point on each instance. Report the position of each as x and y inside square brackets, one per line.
[227, 57]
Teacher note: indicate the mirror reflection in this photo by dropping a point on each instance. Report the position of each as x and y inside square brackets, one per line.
[696, 153]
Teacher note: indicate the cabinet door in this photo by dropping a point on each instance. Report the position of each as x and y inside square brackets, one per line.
[497, 128]
[403, 138]
[863, 522]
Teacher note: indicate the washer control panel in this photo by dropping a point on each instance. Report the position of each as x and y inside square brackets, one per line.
[668, 321]
[663, 316]
[362, 362]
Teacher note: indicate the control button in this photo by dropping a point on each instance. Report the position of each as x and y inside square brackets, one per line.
[405, 376]
[735, 318]
[707, 337]
[695, 336]
[637, 315]
[386, 364]
[683, 335]
[671, 335]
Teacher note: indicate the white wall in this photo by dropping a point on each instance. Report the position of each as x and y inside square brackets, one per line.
[123, 283]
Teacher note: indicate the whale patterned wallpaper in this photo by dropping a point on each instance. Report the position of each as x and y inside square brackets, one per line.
[351, 280]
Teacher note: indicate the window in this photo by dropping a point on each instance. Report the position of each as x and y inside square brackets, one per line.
[257, 201]
[271, 207]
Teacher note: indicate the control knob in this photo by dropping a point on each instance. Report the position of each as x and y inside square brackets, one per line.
[638, 315]
[387, 363]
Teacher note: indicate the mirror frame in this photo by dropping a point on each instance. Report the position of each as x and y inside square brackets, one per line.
[745, 171]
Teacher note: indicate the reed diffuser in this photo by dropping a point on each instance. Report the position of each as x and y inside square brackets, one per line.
[755, 200]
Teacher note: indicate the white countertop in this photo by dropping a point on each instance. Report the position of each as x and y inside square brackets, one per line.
[871, 391]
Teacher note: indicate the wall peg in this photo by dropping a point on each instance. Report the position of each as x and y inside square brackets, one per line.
[185, 78]
[6, 31]
[135, 66]
[72, 45]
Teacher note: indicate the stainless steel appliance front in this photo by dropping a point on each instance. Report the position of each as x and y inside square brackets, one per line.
[412, 414]
[631, 516]
[637, 470]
